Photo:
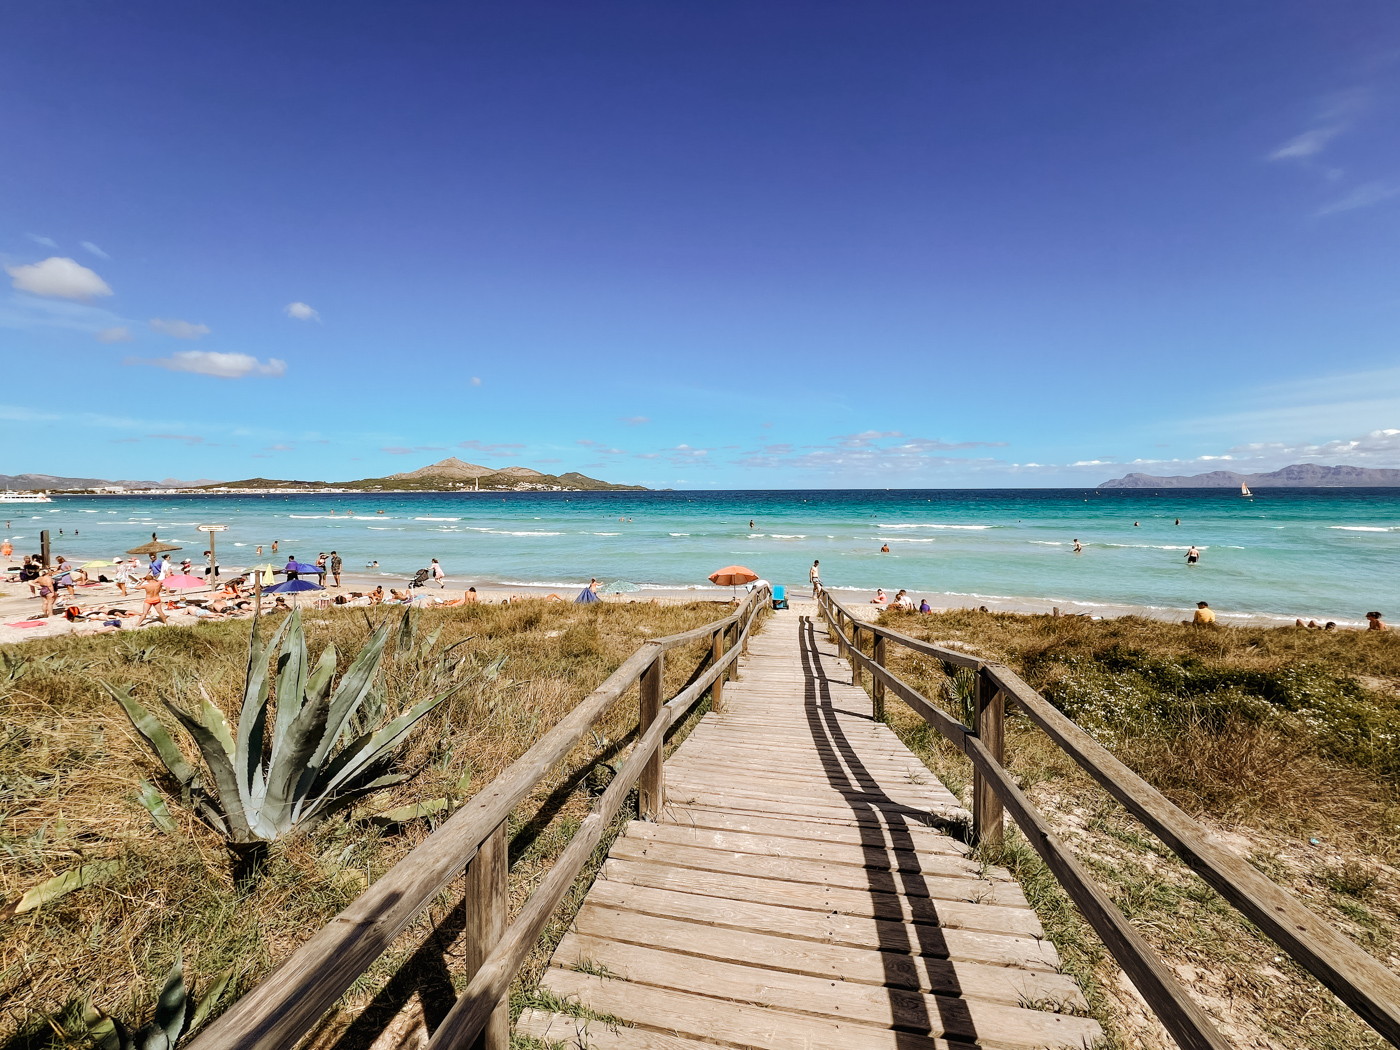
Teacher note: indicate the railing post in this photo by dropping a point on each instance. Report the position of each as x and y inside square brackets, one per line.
[717, 690]
[855, 667]
[486, 903]
[733, 671]
[877, 686]
[651, 785]
[989, 725]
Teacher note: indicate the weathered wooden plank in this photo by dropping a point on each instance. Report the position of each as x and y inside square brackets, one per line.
[551, 1028]
[731, 1023]
[894, 968]
[832, 787]
[849, 830]
[938, 1016]
[745, 803]
[878, 852]
[962, 887]
[854, 931]
[993, 918]
[686, 783]
[486, 902]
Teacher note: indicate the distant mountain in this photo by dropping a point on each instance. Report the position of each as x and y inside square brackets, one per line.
[450, 475]
[23, 482]
[1299, 475]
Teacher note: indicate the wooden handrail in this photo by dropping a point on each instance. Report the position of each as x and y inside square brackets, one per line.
[1358, 979]
[290, 999]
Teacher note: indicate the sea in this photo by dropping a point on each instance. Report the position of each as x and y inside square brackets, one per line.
[1325, 554]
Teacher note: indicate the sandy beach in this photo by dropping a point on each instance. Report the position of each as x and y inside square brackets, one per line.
[19, 610]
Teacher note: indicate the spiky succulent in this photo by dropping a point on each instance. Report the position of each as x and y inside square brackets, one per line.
[263, 794]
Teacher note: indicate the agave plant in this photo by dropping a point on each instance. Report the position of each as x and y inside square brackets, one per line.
[322, 757]
[175, 1015]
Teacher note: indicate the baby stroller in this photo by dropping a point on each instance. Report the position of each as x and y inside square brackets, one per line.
[419, 578]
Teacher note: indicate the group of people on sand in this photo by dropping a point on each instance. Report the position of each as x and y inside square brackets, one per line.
[901, 600]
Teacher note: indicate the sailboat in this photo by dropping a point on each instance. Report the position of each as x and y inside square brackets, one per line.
[1244, 490]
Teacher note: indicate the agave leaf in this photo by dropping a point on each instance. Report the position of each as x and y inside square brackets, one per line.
[210, 999]
[354, 686]
[426, 648]
[173, 1005]
[291, 682]
[293, 765]
[403, 814]
[319, 684]
[379, 745]
[404, 645]
[57, 886]
[114, 1035]
[252, 718]
[347, 797]
[152, 1038]
[155, 734]
[156, 807]
[491, 670]
[217, 749]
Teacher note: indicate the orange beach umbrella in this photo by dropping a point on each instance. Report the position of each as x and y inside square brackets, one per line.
[733, 575]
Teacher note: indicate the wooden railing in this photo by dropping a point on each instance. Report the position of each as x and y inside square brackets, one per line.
[290, 999]
[1356, 978]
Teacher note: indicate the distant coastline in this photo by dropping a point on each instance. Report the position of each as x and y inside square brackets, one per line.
[1298, 475]
[448, 475]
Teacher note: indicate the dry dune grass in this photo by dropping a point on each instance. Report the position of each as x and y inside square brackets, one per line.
[71, 764]
[1282, 741]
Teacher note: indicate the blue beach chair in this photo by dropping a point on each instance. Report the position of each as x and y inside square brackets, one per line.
[780, 598]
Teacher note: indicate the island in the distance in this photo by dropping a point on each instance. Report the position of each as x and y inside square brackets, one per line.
[1299, 475]
[449, 475]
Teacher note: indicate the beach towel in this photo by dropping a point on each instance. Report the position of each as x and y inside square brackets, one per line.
[28, 623]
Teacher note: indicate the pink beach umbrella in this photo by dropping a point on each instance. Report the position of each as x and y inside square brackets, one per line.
[182, 582]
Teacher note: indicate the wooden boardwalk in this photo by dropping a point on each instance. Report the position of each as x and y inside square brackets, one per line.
[797, 892]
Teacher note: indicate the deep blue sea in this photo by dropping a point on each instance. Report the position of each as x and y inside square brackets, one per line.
[1325, 553]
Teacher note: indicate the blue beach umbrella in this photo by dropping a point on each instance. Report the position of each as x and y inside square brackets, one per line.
[585, 596]
[292, 586]
[301, 566]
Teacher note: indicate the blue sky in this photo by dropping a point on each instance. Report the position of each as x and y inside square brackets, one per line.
[700, 245]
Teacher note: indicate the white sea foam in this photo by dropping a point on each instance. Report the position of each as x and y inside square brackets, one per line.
[680, 534]
[939, 526]
[910, 539]
[607, 534]
[437, 519]
[783, 536]
[1364, 528]
[1157, 546]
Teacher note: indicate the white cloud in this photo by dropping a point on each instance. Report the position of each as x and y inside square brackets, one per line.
[59, 277]
[476, 380]
[47, 242]
[210, 363]
[301, 312]
[116, 334]
[1305, 145]
[1362, 197]
[95, 250]
[178, 329]
[634, 421]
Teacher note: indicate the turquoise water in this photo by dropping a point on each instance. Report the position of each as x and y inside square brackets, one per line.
[1325, 553]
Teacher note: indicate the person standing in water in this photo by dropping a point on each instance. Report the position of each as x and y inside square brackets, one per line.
[1193, 556]
[1077, 548]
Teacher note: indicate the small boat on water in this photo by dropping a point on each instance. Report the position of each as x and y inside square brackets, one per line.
[1244, 490]
[24, 497]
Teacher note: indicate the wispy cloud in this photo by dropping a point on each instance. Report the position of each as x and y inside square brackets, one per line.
[89, 246]
[47, 242]
[397, 450]
[188, 439]
[481, 446]
[115, 334]
[301, 312]
[280, 448]
[211, 363]
[476, 380]
[1362, 196]
[178, 329]
[58, 277]
[1308, 144]
[634, 421]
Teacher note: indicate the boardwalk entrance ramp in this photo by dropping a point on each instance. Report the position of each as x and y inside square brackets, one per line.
[798, 892]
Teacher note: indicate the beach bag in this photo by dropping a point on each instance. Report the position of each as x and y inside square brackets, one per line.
[73, 613]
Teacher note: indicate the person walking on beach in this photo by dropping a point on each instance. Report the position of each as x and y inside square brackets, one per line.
[336, 563]
[1192, 556]
[438, 574]
[815, 576]
[152, 587]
